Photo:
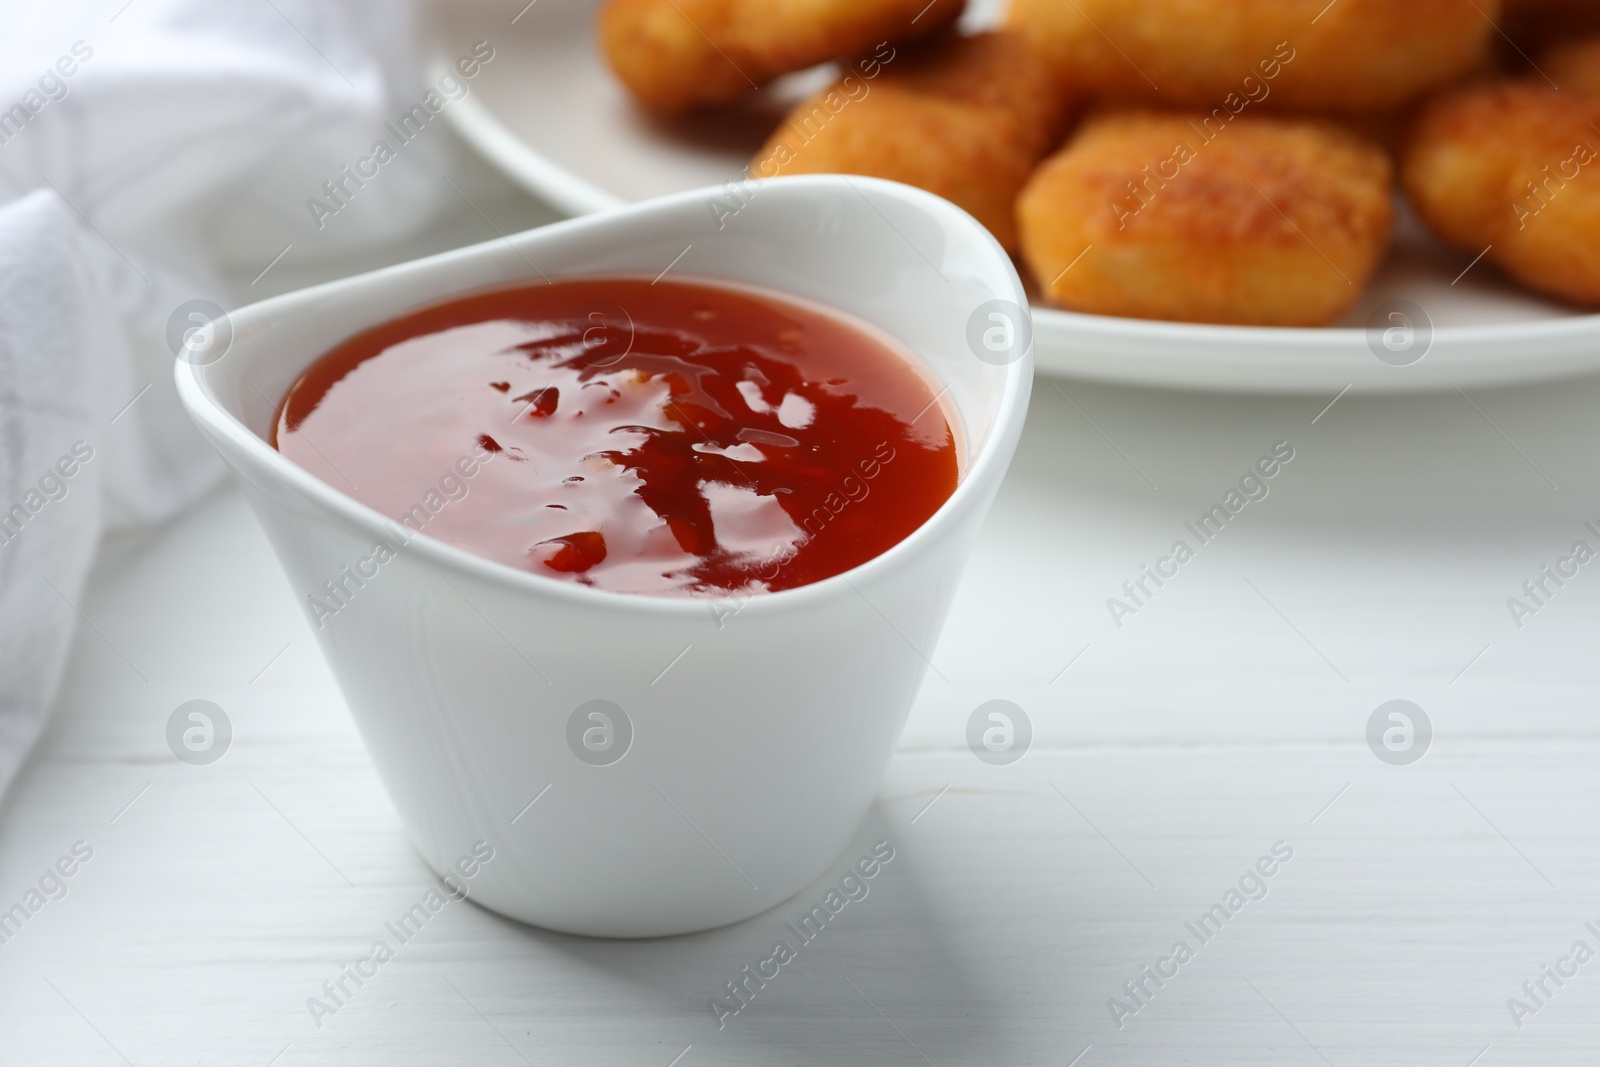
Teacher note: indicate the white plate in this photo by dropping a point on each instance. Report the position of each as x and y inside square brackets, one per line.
[547, 112]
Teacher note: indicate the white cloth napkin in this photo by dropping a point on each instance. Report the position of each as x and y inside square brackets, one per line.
[146, 145]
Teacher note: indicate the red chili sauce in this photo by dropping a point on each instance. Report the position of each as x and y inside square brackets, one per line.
[668, 438]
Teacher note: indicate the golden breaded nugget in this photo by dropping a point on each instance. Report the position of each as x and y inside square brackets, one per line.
[1268, 222]
[677, 55]
[1514, 165]
[1347, 55]
[967, 119]
[1574, 66]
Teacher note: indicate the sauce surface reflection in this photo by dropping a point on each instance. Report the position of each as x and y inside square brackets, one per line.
[676, 438]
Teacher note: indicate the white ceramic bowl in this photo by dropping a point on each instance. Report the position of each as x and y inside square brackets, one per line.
[758, 738]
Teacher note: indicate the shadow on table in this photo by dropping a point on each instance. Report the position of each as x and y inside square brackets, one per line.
[878, 983]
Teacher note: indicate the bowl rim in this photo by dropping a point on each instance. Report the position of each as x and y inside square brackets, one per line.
[230, 434]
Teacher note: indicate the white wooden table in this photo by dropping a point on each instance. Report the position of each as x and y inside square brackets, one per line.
[1227, 715]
